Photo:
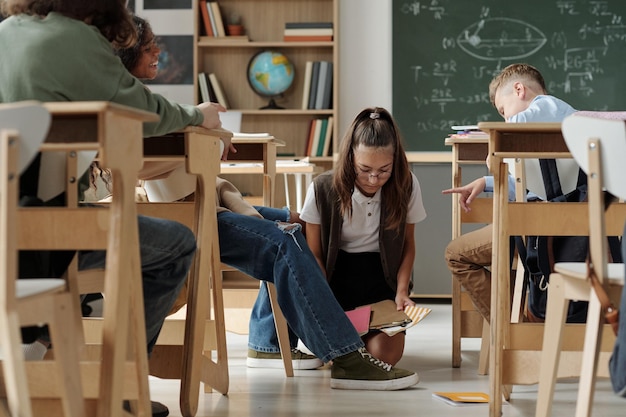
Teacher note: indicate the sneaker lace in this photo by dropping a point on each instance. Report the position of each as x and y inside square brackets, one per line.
[368, 356]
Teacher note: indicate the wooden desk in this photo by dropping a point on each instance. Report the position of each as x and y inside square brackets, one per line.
[199, 148]
[466, 321]
[299, 169]
[248, 152]
[515, 349]
[116, 132]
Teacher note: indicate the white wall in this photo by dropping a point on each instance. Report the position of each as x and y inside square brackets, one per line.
[365, 57]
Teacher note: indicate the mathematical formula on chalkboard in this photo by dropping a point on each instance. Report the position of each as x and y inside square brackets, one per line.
[445, 53]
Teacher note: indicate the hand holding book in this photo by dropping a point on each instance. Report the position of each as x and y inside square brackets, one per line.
[385, 317]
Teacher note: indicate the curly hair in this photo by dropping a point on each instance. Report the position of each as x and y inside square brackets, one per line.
[111, 17]
[131, 54]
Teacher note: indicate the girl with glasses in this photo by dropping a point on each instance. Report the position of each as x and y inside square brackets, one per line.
[361, 221]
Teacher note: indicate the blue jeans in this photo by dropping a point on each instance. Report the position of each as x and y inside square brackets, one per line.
[166, 250]
[268, 252]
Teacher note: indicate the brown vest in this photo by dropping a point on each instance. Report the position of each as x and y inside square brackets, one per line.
[391, 242]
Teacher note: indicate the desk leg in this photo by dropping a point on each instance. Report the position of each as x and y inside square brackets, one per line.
[123, 322]
[456, 286]
[500, 304]
[287, 197]
[204, 283]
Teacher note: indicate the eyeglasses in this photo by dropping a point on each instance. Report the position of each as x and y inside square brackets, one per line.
[366, 175]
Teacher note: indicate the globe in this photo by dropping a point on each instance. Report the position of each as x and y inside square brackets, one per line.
[270, 74]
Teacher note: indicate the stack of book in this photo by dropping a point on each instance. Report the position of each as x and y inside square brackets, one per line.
[308, 31]
[211, 89]
[212, 18]
[318, 85]
[468, 131]
[320, 137]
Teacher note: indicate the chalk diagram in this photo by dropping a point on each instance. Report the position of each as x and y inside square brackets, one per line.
[501, 38]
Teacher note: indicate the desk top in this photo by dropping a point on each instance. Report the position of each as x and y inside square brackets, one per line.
[282, 167]
[77, 108]
[526, 140]
[504, 127]
[457, 139]
[257, 140]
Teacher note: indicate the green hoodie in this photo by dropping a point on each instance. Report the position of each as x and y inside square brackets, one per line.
[57, 58]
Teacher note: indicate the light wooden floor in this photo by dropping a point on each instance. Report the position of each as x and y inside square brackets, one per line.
[259, 393]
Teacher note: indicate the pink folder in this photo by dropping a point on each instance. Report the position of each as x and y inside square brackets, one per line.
[360, 318]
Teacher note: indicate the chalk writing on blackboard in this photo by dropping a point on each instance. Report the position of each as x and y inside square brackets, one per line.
[501, 38]
[445, 52]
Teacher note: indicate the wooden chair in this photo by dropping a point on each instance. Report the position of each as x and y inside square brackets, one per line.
[598, 145]
[25, 302]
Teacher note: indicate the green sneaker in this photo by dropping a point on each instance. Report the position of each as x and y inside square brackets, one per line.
[299, 359]
[359, 370]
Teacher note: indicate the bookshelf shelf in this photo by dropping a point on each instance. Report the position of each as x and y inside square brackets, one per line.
[286, 112]
[228, 58]
[206, 42]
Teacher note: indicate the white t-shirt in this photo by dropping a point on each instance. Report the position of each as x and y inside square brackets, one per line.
[360, 233]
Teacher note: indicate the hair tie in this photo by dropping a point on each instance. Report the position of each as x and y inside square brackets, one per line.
[374, 115]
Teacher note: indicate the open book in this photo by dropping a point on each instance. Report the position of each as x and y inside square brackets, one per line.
[384, 316]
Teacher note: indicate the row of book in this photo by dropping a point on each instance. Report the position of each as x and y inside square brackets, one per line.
[320, 137]
[212, 19]
[308, 31]
[318, 85]
[211, 89]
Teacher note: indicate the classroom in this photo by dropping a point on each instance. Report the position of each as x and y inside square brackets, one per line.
[429, 63]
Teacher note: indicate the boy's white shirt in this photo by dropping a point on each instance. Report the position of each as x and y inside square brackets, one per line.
[543, 109]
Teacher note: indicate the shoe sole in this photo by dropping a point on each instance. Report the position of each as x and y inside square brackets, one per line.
[157, 409]
[300, 364]
[370, 385]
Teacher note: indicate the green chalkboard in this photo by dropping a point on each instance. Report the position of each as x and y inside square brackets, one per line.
[445, 53]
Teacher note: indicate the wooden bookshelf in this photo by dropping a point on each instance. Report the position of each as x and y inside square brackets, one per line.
[228, 58]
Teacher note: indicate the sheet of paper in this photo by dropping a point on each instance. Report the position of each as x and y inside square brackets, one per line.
[52, 172]
[415, 313]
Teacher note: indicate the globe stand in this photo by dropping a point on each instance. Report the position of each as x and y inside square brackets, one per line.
[272, 106]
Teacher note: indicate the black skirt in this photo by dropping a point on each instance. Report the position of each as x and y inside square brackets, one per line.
[358, 279]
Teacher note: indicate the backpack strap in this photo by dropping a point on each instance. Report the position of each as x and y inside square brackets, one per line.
[551, 180]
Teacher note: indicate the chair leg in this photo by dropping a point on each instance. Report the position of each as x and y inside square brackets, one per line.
[14, 370]
[66, 354]
[591, 350]
[282, 330]
[556, 311]
[517, 305]
[483, 360]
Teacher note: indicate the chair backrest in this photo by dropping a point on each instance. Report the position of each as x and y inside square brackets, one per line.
[597, 141]
[610, 129]
[32, 121]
